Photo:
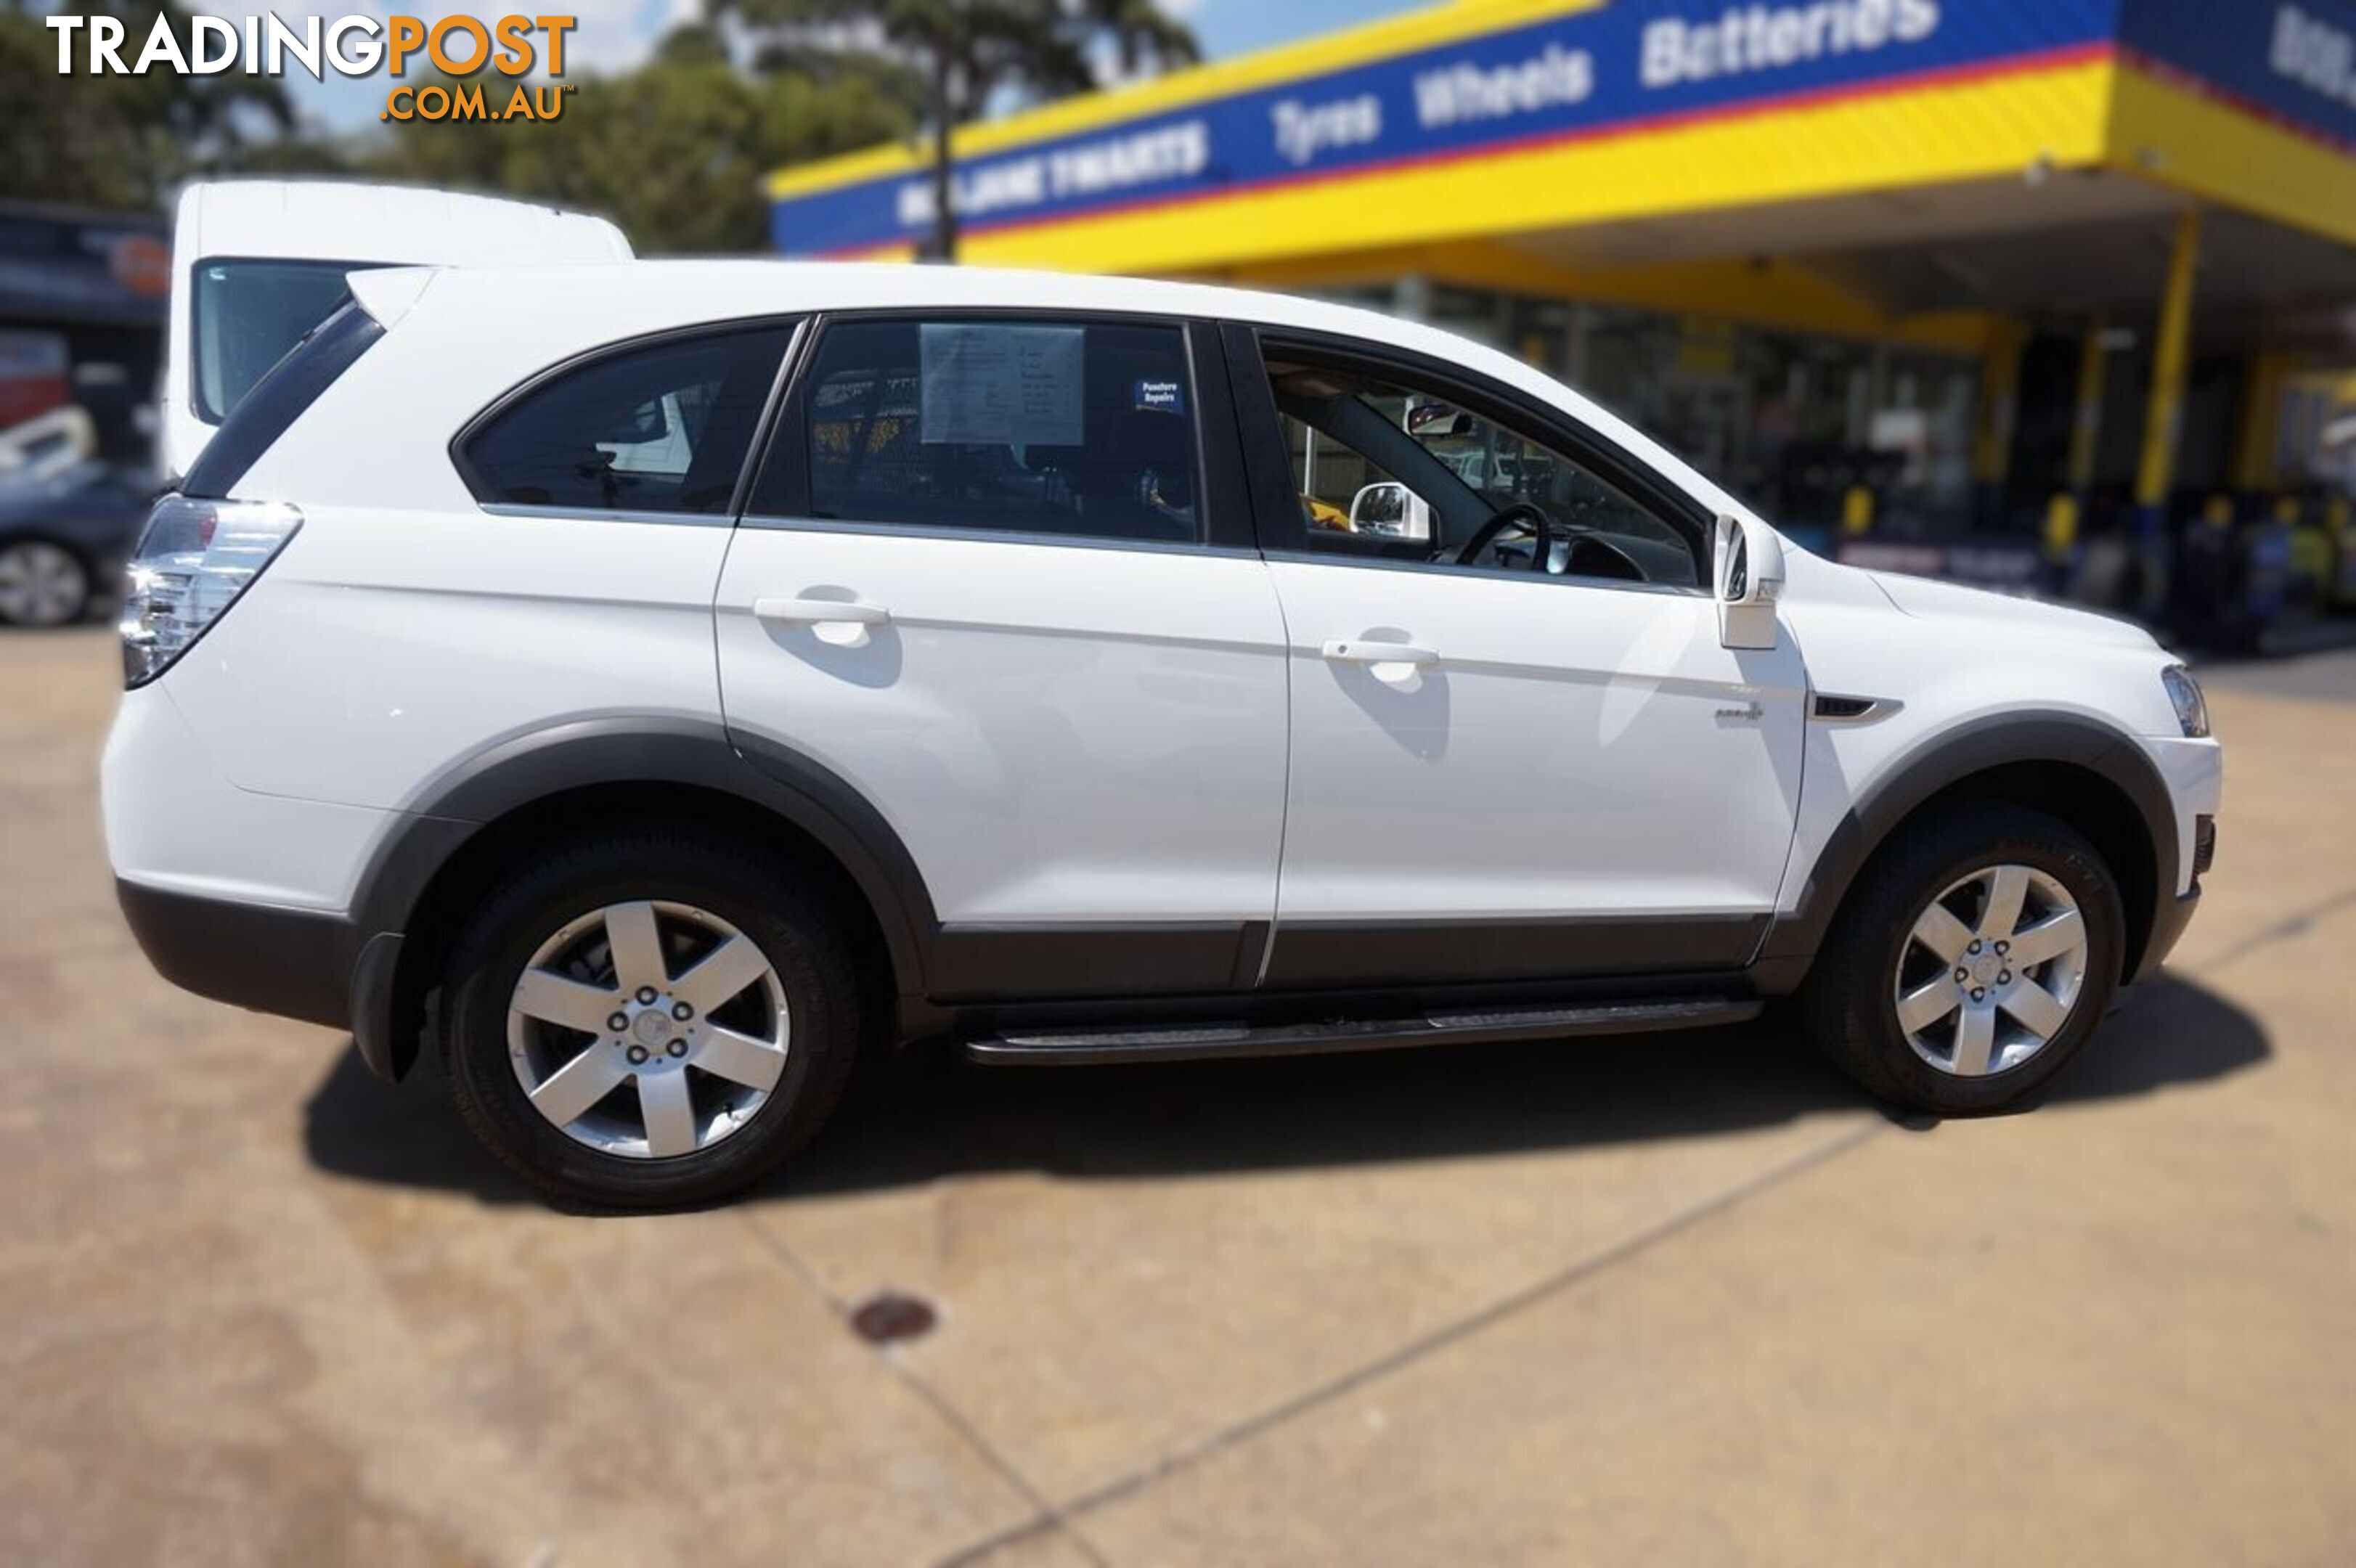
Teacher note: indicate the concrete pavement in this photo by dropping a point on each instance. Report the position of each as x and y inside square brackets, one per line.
[1672, 1299]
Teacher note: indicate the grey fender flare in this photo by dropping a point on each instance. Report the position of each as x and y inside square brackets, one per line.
[1946, 760]
[445, 813]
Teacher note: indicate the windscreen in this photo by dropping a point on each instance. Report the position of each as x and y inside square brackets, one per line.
[246, 314]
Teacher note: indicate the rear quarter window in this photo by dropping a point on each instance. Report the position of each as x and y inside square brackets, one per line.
[659, 426]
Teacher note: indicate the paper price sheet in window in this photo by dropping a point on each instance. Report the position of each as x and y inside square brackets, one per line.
[985, 384]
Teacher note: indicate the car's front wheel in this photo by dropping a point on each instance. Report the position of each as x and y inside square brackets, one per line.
[1970, 963]
[651, 1018]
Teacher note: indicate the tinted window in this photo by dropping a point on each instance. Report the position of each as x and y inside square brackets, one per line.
[245, 316]
[1386, 469]
[1046, 427]
[663, 427]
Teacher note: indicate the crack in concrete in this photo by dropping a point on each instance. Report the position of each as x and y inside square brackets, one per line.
[1046, 1515]
[2298, 923]
[1062, 1520]
[1425, 1344]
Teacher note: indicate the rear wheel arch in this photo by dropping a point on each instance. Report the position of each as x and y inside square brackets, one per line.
[2086, 774]
[530, 794]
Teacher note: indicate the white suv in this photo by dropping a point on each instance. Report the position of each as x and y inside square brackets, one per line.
[651, 684]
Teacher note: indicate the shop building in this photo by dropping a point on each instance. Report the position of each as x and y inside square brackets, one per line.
[1934, 269]
[82, 318]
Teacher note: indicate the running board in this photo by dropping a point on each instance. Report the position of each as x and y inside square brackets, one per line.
[1177, 1043]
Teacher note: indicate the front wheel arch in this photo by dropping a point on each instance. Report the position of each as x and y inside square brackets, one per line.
[2090, 776]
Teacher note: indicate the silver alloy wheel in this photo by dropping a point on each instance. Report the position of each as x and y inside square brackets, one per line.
[647, 1029]
[1991, 971]
[41, 584]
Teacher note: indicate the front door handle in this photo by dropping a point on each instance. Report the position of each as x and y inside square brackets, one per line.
[843, 621]
[1394, 664]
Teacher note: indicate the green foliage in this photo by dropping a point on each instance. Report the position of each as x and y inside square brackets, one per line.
[674, 152]
[959, 56]
[967, 53]
[122, 141]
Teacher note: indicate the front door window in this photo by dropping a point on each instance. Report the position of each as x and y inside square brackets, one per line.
[1390, 471]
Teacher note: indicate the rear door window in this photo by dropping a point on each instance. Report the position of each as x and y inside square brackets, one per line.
[1044, 425]
[659, 427]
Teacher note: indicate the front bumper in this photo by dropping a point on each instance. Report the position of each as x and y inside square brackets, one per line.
[2173, 913]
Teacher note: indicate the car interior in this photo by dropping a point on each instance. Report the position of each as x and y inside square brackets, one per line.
[884, 423]
[660, 428]
[1477, 494]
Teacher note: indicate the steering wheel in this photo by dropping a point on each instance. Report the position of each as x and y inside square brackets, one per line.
[1522, 511]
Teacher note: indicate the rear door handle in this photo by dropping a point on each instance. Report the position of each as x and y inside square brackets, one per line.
[841, 621]
[1343, 651]
[816, 612]
[1395, 664]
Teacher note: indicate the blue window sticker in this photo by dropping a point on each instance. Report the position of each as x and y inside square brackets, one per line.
[1160, 397]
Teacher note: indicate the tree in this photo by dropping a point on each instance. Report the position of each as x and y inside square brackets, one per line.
[673, 152]
[122, 141]
[966, 53]
[1145, 39]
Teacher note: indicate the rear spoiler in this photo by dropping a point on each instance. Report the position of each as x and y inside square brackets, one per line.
[387, 292]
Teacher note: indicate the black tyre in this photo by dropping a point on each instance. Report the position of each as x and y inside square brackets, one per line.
[651, 1018]
[1970, 963]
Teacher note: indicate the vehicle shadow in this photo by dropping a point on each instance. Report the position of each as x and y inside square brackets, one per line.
[925, 1115]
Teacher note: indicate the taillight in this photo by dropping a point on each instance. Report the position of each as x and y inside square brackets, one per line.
[193, 560]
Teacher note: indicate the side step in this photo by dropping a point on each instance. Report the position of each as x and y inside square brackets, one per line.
[1081, 1046]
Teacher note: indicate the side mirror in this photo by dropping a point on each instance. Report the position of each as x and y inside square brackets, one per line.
[1390, 511]
[1748, 573]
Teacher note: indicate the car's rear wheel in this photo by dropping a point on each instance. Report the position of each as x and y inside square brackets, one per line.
[1970, 963]
[42, 584]
[653, 1019]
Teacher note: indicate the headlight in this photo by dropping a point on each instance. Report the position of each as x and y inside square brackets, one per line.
[192, 562]
[2191, 708]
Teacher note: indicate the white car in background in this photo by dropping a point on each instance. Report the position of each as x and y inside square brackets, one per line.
[953, 658]
[258, 263]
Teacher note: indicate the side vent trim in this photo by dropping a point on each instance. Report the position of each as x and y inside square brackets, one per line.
[1834, 710]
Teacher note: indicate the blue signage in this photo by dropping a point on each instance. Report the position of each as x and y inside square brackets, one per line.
[1623, 66]
[2293, 63]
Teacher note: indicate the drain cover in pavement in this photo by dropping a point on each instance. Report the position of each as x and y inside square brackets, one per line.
[881, 1319]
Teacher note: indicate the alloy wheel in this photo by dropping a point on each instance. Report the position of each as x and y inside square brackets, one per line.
[647, 1029]
[41, 584]
[1991, 971]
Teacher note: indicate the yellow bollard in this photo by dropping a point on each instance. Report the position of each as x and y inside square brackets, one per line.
[2061, 526]
[1856, 510]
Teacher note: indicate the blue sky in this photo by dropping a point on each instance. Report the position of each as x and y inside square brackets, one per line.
[1238, 26]
[615, 34]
